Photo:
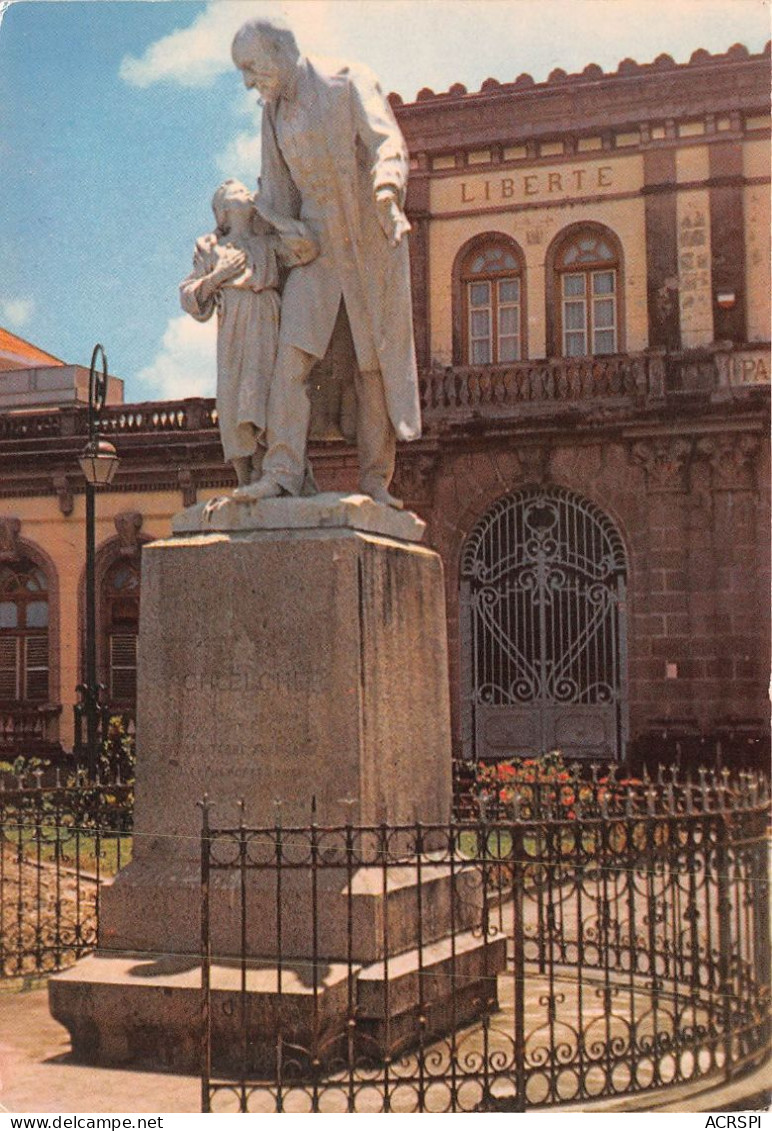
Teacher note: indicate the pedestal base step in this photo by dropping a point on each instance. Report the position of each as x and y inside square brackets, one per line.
[145, 1010]
[411, 997]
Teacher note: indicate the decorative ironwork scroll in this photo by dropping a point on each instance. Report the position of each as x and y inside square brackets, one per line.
[543, 588]
[634, 917]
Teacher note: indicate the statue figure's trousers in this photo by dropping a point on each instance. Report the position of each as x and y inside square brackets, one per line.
[289, 415]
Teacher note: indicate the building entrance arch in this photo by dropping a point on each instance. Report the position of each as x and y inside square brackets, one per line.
[543, 632]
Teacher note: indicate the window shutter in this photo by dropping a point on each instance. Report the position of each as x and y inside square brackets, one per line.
[123, 667]
[37, 668]
[9, 667]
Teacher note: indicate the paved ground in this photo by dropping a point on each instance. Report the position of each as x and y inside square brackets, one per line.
[37, 1074]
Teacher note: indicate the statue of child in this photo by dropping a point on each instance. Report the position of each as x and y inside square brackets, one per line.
[237, 271]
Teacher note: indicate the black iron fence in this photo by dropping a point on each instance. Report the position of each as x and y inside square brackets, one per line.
[116, 729]
[679, 749]
[577, 939]
[597, 940]
[59, 842]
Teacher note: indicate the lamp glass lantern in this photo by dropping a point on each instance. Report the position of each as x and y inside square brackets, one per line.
[98, 462]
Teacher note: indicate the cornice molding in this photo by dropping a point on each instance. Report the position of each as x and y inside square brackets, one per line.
[513, 114]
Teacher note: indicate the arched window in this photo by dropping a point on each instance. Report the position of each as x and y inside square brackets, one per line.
[493, 301]
[587, 272]
[24, 676]
[120, 612]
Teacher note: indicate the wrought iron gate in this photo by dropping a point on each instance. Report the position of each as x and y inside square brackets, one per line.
[543, 629]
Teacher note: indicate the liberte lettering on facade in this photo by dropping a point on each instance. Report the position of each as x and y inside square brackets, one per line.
[537, 184]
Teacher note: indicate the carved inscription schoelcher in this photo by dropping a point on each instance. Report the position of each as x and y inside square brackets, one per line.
[296, 681]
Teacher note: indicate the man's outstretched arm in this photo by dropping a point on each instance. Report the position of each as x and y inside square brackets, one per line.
[378, 130]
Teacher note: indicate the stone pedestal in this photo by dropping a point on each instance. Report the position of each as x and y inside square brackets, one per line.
[289, 650]
[146, 1011]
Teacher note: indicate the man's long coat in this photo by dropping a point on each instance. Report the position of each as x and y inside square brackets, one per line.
[348, 147]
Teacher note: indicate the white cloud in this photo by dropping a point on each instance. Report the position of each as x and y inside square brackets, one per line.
[415, 43]
[16, 312]
[186, 363]
[241, 157]
[191, 56]
[194, 56]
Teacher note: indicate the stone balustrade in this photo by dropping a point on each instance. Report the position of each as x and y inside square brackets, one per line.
[551, 381]
[456, 392]
[28, 729]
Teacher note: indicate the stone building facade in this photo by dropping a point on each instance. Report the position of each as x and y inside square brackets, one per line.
[590, 261]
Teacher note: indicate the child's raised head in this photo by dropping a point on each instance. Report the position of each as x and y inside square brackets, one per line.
[231, 198]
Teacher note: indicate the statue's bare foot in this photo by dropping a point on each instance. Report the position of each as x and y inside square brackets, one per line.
[265, 488]
[379, 494]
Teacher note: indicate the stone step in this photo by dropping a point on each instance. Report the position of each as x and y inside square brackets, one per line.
[133, 1009]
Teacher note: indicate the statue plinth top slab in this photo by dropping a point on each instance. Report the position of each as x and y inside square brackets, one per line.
[327, 510]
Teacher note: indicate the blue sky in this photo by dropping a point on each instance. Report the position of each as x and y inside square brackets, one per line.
[119, 118]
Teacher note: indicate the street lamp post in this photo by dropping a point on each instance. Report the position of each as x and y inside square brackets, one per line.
[98, 463]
